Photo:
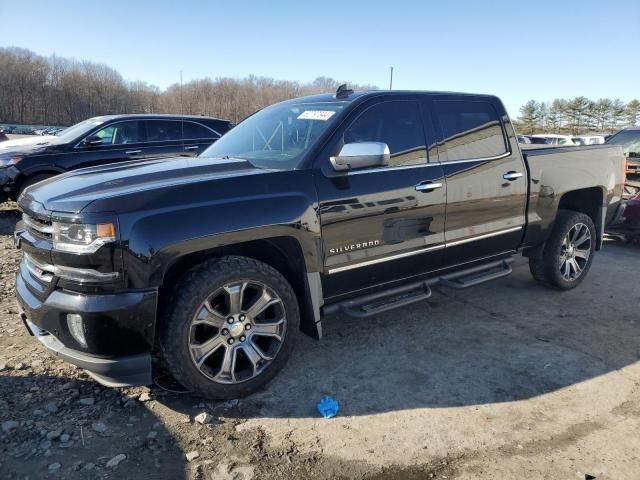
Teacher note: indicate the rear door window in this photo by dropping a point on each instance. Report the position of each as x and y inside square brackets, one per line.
[164, 130]
[195, 131]
[470, 129]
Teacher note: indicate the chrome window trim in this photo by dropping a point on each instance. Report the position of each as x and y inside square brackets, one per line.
[479, 159]
[387, 169]
[421, 250]
[427, 164]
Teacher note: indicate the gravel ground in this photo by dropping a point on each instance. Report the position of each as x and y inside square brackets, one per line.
[507, 380]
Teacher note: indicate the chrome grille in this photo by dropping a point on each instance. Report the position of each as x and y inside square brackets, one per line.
[40, 271]
[39, 228]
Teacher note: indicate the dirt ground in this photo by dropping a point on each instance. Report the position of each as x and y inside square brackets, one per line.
[508, 380]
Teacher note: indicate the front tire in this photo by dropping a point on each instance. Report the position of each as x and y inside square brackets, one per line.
[230, 327]
[567, 255]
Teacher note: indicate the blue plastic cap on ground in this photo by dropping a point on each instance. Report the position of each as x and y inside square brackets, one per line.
[328, 407]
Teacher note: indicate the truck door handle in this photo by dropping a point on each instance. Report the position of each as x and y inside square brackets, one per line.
[511, 176]
[191, 147]
[427, 186]
[133, 152]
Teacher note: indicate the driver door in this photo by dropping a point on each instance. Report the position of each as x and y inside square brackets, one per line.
[385, 223]
[121, 141]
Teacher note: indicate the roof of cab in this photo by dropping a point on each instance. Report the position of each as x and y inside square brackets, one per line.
[331, 97]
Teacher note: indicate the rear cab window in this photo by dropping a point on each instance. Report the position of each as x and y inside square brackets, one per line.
[471, 129]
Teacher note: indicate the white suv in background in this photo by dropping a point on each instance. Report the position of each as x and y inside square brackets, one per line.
[553, 139]
[590, 139]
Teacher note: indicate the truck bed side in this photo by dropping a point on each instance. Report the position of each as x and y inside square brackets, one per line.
[588, 179]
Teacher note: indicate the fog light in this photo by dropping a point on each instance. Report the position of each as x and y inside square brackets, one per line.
[76, 327]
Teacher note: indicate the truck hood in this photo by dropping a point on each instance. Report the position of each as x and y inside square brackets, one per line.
[74, 191]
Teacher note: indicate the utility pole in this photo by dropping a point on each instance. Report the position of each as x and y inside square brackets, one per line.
[391, 79]
[181, 104]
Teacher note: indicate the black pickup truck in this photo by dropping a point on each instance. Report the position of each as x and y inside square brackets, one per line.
[349, 202]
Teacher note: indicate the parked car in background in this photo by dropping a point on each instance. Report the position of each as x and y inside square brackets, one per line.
[629, 140]
[556, 140]
[355, 203]
[632, 219]
[529, 140]
[589, 139]
[106, 139]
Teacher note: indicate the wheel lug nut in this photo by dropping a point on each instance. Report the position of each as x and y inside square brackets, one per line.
[242, 317]
[243, 338]
[230, 341]
[225, 331]
[247, 326]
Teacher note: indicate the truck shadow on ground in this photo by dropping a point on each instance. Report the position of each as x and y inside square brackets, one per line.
[57, 434]
[505, 341]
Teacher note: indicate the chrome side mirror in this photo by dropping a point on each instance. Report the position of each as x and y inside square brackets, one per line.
[353, 156]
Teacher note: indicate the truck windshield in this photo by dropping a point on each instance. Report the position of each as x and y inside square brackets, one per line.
[279, 136]
[629, 140]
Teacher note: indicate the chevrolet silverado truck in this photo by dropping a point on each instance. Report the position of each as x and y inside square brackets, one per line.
[349, 202]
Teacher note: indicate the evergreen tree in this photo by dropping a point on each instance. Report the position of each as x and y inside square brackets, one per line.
[529, 114]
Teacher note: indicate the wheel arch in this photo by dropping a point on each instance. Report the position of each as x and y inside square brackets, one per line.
[284, 253]
[589, 201]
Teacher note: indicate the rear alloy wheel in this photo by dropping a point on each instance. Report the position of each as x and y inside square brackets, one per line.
[568, 253]
[229, 327]
[575, 252]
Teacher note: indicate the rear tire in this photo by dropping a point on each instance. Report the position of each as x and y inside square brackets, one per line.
[566, 257]
[218, 338]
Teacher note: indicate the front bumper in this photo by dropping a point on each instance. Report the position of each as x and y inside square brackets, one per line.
[118, 328]
[112, 372]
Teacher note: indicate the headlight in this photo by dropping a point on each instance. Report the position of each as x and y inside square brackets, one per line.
[7, 160]
[82, 238]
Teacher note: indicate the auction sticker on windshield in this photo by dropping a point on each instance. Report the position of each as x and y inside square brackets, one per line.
[316, 115]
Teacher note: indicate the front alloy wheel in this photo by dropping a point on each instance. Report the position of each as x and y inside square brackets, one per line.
[237, 332]
[229, 327]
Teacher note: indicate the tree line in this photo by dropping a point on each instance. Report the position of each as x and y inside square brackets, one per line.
[577, 116]
[37, 90]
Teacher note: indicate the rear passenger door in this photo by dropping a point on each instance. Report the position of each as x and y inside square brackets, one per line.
[197, 137]
[486, 180]
[164, 138]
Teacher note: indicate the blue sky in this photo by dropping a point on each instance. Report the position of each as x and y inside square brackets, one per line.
[517, 50]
